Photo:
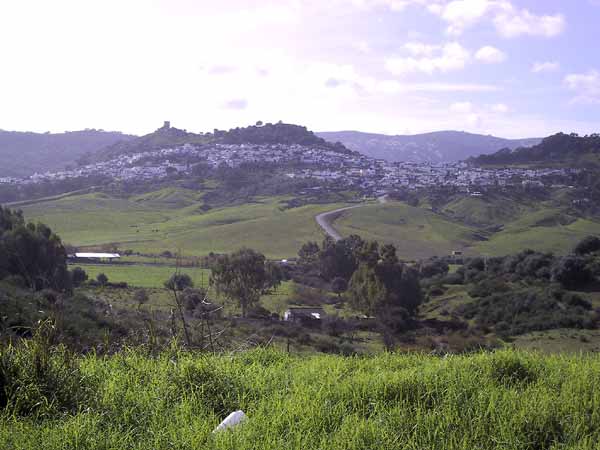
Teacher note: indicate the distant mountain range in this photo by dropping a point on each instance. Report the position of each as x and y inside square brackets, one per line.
[557, 150]
[24, 153]
[440, 146]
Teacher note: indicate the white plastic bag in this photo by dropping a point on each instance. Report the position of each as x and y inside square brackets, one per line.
[233, 419]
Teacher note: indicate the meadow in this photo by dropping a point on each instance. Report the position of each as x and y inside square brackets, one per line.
[177, 220]
[173, 220]
[144, 276]
[132, 400]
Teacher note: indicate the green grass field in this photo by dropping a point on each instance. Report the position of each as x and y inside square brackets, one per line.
[173, 220]
[145, 276]
[416, 232]
[505, 400]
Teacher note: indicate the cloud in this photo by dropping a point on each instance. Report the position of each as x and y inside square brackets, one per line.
[508, 20]
[586, 86]
[490, 55]
[511, 24]
[450, 57]
[548, 66]
[500, 108]
[475, 120]
[238, 104]
[421, 49]
[461, 107]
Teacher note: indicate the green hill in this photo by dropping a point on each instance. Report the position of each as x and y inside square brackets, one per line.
[567, 150]
[176, 218]
[23, 154]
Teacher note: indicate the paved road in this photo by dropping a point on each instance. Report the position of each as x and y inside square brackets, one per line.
[326, 219]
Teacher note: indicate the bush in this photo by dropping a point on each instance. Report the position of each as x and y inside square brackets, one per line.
[590, 244]
[79, 276]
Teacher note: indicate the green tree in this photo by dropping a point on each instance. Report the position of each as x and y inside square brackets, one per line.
[241, 276]
[179, 282]
[590, 244]
[366, 292]
[102, 279]
[308, 253]
[79, 276]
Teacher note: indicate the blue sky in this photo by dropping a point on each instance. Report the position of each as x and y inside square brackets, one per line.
[513, 68]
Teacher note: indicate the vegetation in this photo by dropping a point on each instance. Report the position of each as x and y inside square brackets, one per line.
[568, 149]
[23, 154]
[135, 401]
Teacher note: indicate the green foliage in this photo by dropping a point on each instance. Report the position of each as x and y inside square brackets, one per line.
[589, 244]
[78, 276]
[174, 400]
[32, 252]
[102, 279]
[241, 276]
[179, 282]
[572, 272]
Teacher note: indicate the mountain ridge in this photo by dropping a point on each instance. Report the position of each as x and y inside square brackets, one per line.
[22, 153]
[433, 147]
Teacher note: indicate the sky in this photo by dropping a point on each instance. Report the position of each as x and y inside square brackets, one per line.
[511, 68]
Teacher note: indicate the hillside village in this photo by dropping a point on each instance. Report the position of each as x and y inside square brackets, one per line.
[345, 169]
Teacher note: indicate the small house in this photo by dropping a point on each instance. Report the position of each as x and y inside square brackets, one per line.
[300, 314]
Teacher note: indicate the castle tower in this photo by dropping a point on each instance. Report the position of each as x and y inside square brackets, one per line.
[167, 124]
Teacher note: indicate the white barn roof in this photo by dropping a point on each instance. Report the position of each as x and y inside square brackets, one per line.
[97, 255]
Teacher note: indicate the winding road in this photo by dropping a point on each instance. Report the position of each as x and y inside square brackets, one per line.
[325, 220]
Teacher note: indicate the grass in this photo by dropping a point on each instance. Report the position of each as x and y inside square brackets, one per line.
[174, 220]
[505, 400]
[416, 232]
[145, 276]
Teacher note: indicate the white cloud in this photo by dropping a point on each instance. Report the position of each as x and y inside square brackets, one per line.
[548, 66]
[490, 55]
[500, 108]
[509, 20]
[421, 49]
[461, 107]
[475, 120]
[452, 56]
[512, 24]
[586, 86]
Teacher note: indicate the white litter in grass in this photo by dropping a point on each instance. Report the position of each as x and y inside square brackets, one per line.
[233, 419]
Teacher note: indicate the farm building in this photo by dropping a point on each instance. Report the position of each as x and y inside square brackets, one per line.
[299, 313]
[93, 257]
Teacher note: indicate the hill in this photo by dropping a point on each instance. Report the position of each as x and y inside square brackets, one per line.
[24, 153]
[441, 146]
[259, 134]
[559, 149]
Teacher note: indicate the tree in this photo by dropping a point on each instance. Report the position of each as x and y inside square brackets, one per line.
[33, 252]
[308, 253]
[572, 272]
[590, 244]
[179, 282]
[240, 276]
[79, 276]
[339, 285]
[339, 259]
[102, 279]
[141, 297]
[366, 292]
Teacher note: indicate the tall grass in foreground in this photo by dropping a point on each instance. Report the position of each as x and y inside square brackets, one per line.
[504, 400]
